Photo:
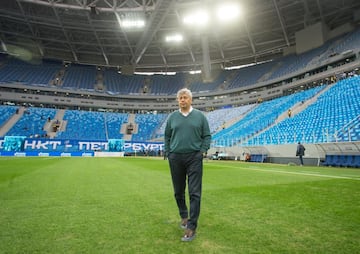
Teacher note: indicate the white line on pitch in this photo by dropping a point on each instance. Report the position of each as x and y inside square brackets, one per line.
[308, 174]
[297, 173]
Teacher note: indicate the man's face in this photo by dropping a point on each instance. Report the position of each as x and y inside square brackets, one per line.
[184, 101]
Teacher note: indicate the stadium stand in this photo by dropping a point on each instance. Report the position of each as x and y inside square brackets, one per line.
[198, 86]
[261, 117]
[117, 83]
[80, 77]
[32, 122]
[249, 75]
[326, 120]
[148, 124]
[114, 121]
[342, 44]
[219, 119]
[14, 70]
[6, 112]
[166, 84]
[83, 125]
[332, 117]
[294, 63]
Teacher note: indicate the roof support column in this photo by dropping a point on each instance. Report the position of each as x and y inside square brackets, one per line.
[206, 58]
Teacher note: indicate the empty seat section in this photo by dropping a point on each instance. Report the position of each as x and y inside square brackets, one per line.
[80, 77]
[6, 112]
[32, 122]
[83, 125]
[40, 74]
[147, 126]
[259, 118]
[332, 118]
[114, 121]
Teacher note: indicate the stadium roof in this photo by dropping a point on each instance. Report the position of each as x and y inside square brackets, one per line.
[88, 31]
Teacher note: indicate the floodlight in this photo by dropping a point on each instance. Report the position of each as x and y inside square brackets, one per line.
[228, 12]
[132, 23]
[132, 20]
[174, 38]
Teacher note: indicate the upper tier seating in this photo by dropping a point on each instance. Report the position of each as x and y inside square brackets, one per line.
[116, 83]
[84, 77]
[350, 41]
[197, 85]
[80, 77]
[249, 75]
[166, 84]
[41, 74]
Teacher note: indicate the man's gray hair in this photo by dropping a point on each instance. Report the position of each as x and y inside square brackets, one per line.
[184, 91]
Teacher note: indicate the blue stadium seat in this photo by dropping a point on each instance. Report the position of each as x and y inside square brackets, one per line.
[349, 161]
[258, 157]
[329, 158]
[341, 160]
[356, 162]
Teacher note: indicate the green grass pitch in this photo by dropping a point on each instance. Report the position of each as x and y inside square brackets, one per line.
[126, 205]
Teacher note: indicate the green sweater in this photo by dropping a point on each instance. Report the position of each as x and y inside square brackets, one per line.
[186, 134]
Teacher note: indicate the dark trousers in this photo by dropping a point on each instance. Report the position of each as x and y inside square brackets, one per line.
[188, 166]
[301, 160]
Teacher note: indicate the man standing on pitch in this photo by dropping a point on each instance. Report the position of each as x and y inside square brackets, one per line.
[300, 151]
[187, 137]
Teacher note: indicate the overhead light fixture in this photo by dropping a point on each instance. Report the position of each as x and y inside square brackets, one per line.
[128, 21]
[224, 12]
[132, 23]
[195, 72]
[228, 12]
[174, 38]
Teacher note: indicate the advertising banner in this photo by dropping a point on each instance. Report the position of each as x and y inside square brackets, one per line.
[21, 146]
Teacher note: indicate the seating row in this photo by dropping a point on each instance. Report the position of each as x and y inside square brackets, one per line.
[352, 161]
[258, 157]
